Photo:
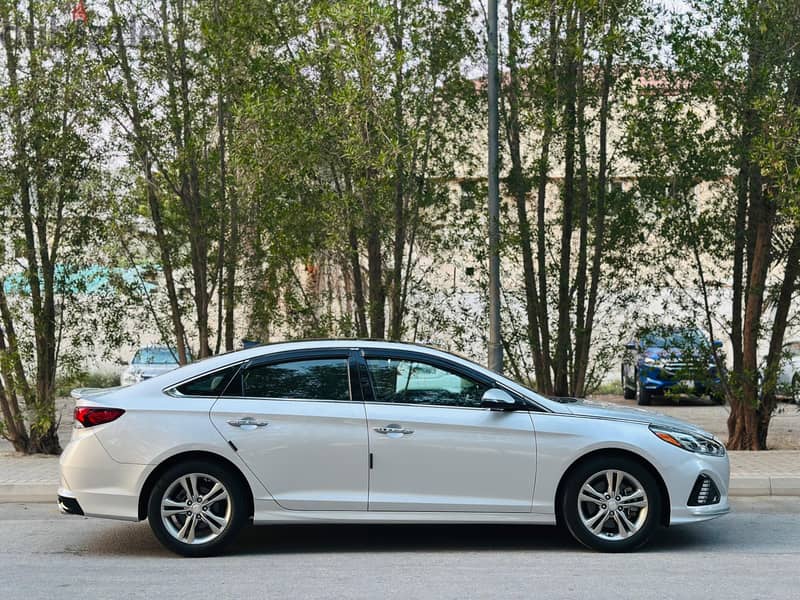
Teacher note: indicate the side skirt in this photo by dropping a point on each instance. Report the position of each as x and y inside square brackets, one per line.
[268, 512]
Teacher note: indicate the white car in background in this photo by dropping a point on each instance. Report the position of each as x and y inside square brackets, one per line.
[149, 362]
[789, 377]
[377, 432]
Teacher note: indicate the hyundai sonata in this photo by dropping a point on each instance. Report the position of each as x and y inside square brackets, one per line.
[377, 432]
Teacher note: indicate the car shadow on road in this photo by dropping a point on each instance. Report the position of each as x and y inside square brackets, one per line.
[286, 539]
[137, 540]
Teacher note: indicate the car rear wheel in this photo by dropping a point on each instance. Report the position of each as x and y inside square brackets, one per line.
[196, 508]
[611, 504]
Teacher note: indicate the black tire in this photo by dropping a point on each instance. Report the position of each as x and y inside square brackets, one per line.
[628, 393]
[635, 473]
[644, 397]
[234, 513]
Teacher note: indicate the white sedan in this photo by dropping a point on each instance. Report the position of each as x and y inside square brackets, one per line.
[377, 432]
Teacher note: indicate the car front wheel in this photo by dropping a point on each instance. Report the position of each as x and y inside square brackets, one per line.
[196, 508]
[643, 396]
[611, 504]
[628, 393]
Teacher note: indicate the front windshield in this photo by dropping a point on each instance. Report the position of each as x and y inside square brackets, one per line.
[677, 339]
[155, 356]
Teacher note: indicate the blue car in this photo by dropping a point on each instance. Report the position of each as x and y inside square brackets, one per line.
[671, 361]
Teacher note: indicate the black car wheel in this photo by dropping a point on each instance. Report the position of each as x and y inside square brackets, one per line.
[196, 508]
[627, 392]
[611, 504]
[644, 397]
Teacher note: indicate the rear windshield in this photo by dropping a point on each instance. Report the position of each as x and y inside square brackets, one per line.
[155, 356]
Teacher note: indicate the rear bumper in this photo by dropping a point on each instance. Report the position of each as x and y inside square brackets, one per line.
[95, 483]
[69, 505]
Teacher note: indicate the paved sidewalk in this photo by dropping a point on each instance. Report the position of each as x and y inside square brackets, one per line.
[770, 473]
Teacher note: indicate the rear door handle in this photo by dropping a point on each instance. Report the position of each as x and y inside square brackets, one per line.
[396, 429]
[247, 423]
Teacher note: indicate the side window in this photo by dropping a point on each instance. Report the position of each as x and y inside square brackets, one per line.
[315, 379]
[208, 385]
[415, 382]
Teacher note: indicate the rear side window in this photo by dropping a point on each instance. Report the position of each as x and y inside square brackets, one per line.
[313, 379]
[208, 385]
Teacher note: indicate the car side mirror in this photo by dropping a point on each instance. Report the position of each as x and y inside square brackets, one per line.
[716, 344]
[497, 399]
[631, 346]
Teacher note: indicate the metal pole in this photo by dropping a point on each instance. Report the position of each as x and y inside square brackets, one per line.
[495, 343]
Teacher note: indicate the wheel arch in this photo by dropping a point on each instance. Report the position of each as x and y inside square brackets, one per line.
[152, 478]
[615, 452]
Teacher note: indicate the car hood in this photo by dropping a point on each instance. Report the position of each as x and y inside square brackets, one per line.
[603, 410]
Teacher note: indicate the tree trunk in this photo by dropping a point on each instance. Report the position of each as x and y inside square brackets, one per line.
[400, 211]
[518, 186]
[561, 364]
[578, 363]
[582, 358]
[142, 153]
[775, 355]
[745, 435]
[13, 426]
[545, 386]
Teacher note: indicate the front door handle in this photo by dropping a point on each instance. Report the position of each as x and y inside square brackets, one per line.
[394, 429]
[247, 423]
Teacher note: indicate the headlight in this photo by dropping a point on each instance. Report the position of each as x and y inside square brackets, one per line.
[652, 362]
[689, 441]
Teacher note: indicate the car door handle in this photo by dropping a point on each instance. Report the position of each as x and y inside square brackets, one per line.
[394, 429]
[247, 423]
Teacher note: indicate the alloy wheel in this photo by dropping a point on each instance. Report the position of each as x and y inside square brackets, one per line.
[196, 508]
[612, 504]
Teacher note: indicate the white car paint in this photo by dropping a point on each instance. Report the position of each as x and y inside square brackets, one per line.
[789, 376]
[311, 462]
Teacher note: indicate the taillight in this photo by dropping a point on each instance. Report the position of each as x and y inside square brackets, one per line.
[89, 416]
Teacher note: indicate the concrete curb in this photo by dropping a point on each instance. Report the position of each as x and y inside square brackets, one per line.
[765, 485]
[744, 485]
[28, 492]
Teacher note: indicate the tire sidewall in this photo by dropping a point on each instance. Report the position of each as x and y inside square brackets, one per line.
[236, 497]
[569, 503]
[643, 396]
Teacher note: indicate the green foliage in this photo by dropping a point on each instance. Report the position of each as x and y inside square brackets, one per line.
[94, 379]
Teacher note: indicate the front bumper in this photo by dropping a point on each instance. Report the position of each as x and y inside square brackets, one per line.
[681, 478]
[657, 380]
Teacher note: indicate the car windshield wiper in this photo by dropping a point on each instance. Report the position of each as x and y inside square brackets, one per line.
[564, 399]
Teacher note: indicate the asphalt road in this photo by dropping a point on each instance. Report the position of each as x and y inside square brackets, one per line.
[752, 553]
